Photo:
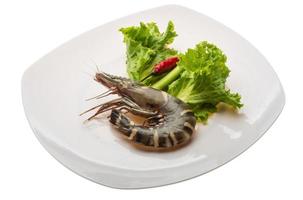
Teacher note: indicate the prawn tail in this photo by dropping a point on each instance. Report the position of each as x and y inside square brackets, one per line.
[121, 122]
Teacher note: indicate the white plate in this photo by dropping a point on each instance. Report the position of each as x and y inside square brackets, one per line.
[54, 89]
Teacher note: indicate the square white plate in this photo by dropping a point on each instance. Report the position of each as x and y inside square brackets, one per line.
[54, 89]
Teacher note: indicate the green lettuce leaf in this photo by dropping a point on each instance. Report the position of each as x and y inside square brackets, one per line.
[202, 81]
[199, 78]
[145, 47]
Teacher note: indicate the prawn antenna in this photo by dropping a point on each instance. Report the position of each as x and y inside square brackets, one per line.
[96, 65]
[93, 108]
[88, 74]
[100, 95]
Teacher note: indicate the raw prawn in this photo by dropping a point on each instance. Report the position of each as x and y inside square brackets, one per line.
[169, 121]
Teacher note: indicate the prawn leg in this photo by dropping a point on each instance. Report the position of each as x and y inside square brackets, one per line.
[131, 104]
[153, 119]
[104, 107]
[140, 112]
[121, 103]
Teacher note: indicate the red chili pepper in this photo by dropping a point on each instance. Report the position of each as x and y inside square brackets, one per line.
[166, 65]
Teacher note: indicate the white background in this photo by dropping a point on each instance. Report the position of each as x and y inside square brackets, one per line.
[270, 169]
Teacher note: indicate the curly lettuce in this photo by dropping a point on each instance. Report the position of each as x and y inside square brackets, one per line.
[145, 47]
[202, 81]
